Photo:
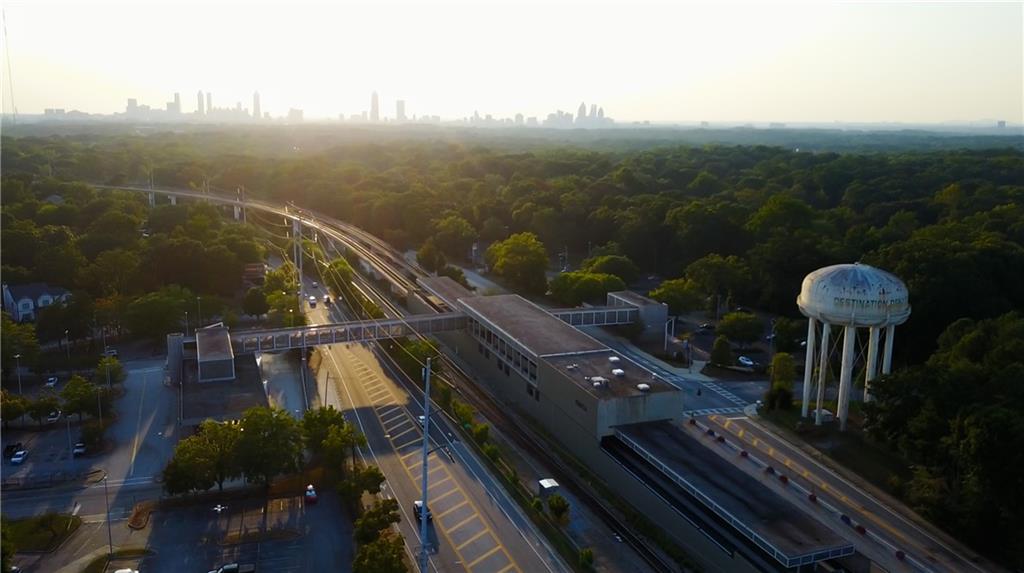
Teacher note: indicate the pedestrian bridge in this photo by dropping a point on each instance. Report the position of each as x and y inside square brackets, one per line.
[278, 339]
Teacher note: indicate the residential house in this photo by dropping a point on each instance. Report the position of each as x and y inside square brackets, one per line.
[22, 302]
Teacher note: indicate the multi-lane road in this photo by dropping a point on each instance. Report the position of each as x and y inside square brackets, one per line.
[475, 526]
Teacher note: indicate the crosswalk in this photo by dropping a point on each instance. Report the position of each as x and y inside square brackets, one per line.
[710, 411]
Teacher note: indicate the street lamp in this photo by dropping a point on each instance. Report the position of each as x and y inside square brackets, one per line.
[199, 311]
[106, 496]
[186, 323]
[17, 360]
[67, 344]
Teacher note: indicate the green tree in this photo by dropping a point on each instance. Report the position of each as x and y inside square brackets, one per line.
[430, 257]
[190, 469]
[384, 555]
[78, 396]
[454, 236]
[573, 288]
[7, 548]
[716, 275]
[559, 507]
[783, 371]
[271, 444]
[681, 295]
[618, 265]
[18, 339]
[721, 352]
[376, 519]
[741, 327]
[12, 407]
[788, 334]
[586, 558]
[112, 272]
[41, 407]
[317, 423]
[109, 365]
[456, 274]
[481, 433]
[221, 442]
[342, 440]
[255, 302]
[156, 314]
[522, 260]
[364, 479]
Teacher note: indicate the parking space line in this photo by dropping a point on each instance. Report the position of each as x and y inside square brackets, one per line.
[444, 495]
[476, 536]
[453, 508]
[406, 431]
[490, 552]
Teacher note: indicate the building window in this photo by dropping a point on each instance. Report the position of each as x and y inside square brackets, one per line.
[536, 394]
[507, 370]
[533, 370]
[529, 389]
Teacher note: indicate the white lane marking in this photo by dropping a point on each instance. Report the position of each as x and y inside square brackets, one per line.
[138, 427]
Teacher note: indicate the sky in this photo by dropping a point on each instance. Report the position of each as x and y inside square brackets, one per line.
[657, 61]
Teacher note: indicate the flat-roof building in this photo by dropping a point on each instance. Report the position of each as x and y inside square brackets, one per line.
[214, 354]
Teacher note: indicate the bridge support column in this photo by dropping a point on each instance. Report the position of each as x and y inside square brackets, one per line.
[238, 213]
[890, 333]
[808, 368]
[174, 199]
[152, 199]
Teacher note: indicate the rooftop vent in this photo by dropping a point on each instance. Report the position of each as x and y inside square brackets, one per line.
[598, 381]
[618, 372]
[643, 387]
[613, 359]
[572, 366]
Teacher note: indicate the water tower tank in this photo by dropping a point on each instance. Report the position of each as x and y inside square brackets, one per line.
[854, 295]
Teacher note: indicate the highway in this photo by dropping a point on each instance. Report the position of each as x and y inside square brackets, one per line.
[889, 531]
[475, 526]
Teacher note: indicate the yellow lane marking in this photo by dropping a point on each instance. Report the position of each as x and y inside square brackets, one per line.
[484, 556]
[453, 508]
[820, 484]
[415, 481]
[444, 495]
[475, 536]
[510, 566]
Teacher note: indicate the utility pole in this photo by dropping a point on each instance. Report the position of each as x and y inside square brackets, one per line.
[297, 238]
[425, 470]
[327, 383]
[199, 312]
[17, 360]
[106, 496]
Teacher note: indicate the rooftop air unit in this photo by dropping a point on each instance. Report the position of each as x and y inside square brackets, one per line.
[618, 372]
[598, 381]
[613, 359]
[643, 387]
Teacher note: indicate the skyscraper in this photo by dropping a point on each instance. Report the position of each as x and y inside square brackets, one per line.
[199, 107]
[256, 106]
[400, 110]
[209, 102]
[177, 102]
[581, 115]
[374, 108]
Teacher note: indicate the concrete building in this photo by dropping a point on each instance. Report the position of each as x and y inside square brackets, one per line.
[214, 354]
[23, 302]
[400, 110]
[200, 108]
[374, 107]
[256, 113]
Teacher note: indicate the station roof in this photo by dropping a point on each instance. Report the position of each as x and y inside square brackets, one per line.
[634, 298]
[583, 368]
[446, 289]
[783, 525]
[214, 343]
[529, 325]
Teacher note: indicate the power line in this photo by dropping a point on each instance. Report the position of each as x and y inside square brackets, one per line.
[10, 75]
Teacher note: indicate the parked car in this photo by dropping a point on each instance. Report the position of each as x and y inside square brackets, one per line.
[417, 510]
[707, 326]
[421, 420]
[110, 351]
[327, 300]
[312, 301]
[51, 382]
[19, 457]
[311, 497]
[12, 449]
[235, 568]
[54, 417]
[79, 449]
[316, 284]
[744, 361]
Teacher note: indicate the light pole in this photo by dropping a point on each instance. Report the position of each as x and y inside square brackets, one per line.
[71, 447]
[186, 323]
[67, 344]
[17, 361]
[426, 453]
[106, 496]
[199, 311]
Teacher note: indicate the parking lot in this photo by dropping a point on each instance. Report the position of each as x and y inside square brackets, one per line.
[281, 534]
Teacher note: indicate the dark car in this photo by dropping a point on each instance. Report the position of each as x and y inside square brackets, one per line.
[707, 326]
[311, 496]
[11, 449]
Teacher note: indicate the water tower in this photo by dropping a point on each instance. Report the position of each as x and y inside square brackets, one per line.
[851, 297]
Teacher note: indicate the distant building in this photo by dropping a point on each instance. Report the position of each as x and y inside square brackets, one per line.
[581, 114]
[519, 119]
[256, 114]
[132, 107]
[54, 113]
[209, 102]
[23, 302]
[776, 125]
[200, 109]
[295, 115]
[1001, 124]
[374, 107]
[400, 110]
[532, 121]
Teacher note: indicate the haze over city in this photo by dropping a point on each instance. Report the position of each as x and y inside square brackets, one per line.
[662, 62]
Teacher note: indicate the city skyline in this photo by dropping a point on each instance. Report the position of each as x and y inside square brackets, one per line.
[912, 63]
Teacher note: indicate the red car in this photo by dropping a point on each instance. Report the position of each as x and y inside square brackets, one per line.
[310, 494]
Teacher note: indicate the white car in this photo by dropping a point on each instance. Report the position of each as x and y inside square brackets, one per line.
[54, 417]
[51, 382]
[312, 302]
[316, 284]
[744, 361]
[421, 420]
[19, 457]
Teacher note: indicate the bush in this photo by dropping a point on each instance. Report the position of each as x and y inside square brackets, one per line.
[481, 433]
[492, 452]
[587, 558]
[463, 413]
[559, 508]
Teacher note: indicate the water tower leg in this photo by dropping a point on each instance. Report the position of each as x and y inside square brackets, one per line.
[808, 368]
[890, 333]
[826, 328]
[872, 369]
[846, 375]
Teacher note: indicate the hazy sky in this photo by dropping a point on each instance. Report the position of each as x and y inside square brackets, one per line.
[909, 62]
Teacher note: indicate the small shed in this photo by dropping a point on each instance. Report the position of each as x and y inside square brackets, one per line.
[214, 353]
